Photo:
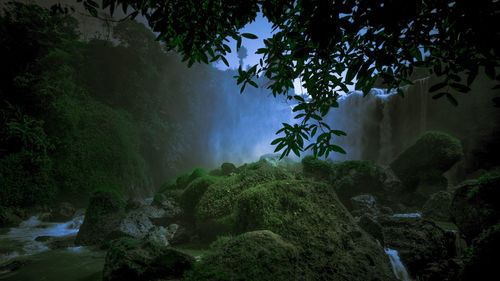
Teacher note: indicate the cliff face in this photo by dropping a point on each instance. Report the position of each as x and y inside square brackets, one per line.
[380, 126]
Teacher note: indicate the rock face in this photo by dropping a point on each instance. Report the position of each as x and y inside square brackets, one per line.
[129, 259]
[256, 255]
[107, 218]
[421, 243]
[438, 206]
[421, 166]
[475, 205]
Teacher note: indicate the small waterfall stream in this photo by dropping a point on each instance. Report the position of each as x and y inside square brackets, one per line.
[22, 240]
[397, 266]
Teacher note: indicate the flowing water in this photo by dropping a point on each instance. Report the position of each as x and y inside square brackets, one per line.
[397, 266]
[23, 258]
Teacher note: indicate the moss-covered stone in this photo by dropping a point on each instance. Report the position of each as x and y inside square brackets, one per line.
[170, 184]
[104, 213]
[129, 259]
[197, 173]
[481, 259]
[309, 215]
[190, 196]
[220, 197]
[357, 177]
[258, 255]
[318, 169]
[475, 205]
[427, 159]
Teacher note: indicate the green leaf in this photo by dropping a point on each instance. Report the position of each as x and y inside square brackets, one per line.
[451, 99]
[276, 141]
[437, 96]
[459, 87]
[249, 36]
[438, 86]
[339, 133]
[253, 83]
[337, 148]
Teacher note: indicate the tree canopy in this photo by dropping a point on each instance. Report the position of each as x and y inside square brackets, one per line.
[332, 44]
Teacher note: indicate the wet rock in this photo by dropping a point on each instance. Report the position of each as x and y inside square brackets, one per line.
[475, 207]
[162, 235]
[130, 259]
[438, 206]
[103, 216]
[419, 242]
[364, 205]
[44, 238]
[9, 217]
[12, 266]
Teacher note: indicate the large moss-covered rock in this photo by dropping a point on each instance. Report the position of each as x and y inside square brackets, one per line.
[421, 166]
[258, 255]
[475, 205]
[309, 215]
[481, 259]
[103, 216]
[216, 205]
[129, 259]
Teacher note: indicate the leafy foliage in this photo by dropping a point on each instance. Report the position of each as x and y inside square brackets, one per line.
[320, 41]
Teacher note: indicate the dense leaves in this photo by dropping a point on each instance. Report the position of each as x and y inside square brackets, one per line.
[331, 44]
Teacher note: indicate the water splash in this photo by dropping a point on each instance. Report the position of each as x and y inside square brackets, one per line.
[20, 241]
[397, 266]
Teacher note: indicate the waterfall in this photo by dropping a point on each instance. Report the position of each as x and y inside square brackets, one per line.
[397, 266]
[381, 125]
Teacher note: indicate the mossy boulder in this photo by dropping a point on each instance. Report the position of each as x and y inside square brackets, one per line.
[424, 162]
[170, 184]
[219, 199]
[315, 168]
[309, 215]
[475, 205]
[438, 206]
[192, 194]
[227, 169]
[130, 259]
[352, 178]
[105, 210]
[257, 255]
[481, 259]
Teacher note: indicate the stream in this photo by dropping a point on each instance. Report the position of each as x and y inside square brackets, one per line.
[37, 250]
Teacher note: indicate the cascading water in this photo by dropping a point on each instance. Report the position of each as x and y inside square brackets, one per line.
[397, 266]
[20, 241]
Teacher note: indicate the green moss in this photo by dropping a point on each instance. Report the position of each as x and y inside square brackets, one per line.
[316, 168]
[357, 177]
[182, 181]
[258, 255]
[220, 197]
[103, 201]
[432, 154]
[197, 173]
[192, 194]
